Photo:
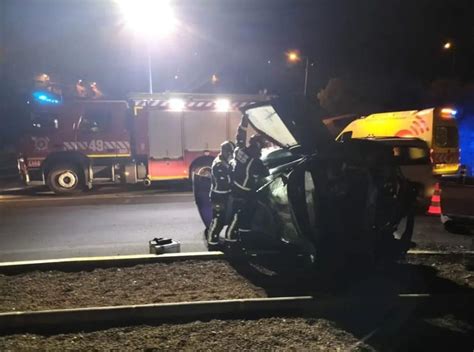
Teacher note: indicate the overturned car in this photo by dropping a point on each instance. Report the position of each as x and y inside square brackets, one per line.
[329, 201]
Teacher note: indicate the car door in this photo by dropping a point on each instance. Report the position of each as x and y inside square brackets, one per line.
[100, 132]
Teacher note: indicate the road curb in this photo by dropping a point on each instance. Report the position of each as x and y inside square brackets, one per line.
[78, 318]
[88, 263]
[91, 318]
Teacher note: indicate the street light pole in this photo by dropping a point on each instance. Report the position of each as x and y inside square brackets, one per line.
[448, 46]
[151, 19]
[294, 56]
[150, 75]
[306, 76]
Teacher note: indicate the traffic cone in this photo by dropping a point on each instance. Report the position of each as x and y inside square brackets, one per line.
[435, 206]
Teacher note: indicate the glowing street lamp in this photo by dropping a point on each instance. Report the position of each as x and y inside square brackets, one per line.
[294, 56]
[149, 19]
[447, 45]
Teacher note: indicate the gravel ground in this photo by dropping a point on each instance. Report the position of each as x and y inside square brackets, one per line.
[275, 334]
[446, 269]
[141, 284]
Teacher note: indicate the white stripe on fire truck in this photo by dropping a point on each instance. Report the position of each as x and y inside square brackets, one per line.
[108, 145]
[121, 145]
[194, 104]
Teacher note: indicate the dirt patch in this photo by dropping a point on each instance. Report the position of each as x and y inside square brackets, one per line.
[141, 284]
[447, 268]
[276, 334]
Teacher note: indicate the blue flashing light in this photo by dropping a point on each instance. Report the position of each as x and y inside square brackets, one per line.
[46, 98]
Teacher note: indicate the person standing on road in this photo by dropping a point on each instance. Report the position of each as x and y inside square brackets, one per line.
[247, 171]
[220, 192]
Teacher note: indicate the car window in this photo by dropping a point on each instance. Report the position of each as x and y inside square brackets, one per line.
[405, 155]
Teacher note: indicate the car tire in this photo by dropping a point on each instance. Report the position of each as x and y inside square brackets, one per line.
[65, 179]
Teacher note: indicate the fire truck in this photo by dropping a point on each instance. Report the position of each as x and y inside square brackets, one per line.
[73, 145]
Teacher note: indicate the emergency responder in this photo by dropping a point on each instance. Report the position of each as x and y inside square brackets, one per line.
[247, 171]
[220, 192]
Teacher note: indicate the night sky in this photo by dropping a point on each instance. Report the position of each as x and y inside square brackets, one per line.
[391, 40]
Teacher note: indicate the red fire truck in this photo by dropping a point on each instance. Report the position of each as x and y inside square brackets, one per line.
[73, 145]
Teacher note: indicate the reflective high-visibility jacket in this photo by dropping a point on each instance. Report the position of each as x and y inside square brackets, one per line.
[221, 178]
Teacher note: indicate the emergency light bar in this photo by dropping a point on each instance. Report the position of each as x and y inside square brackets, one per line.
[45, 98]
[222, 105]
[176, 104]
[196, 102]
[448, 113]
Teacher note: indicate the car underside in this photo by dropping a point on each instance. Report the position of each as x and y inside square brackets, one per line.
[335, 203]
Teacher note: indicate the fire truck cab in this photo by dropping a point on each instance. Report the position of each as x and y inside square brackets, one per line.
[70, 146]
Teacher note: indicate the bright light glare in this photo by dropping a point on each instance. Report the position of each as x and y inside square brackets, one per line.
[176, 104]
[448, 113]
[222, 105]
[293, 56]
[447, 45]
[149, 17]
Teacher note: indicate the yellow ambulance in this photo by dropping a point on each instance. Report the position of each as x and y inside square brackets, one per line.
[436, 126]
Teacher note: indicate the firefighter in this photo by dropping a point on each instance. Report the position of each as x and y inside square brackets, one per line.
[220, 192]
[247, 171]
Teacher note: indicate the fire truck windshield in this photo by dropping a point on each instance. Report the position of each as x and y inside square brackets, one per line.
[44, 121]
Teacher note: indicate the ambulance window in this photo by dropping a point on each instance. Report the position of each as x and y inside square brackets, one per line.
[44, 121]
[446, 136]
[96, 120]
[345, 136]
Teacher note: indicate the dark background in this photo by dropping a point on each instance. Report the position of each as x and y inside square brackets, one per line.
[367, 55]
[358, 40]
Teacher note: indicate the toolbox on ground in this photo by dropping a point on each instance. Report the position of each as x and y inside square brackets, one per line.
[164, 245]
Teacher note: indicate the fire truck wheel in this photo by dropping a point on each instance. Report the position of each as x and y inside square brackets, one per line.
[65, 179]
[202, 170]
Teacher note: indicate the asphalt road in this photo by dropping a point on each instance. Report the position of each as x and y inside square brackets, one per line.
[46, 226]
[114, 222]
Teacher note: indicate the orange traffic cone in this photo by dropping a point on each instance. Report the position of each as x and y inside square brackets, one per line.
[435, 206]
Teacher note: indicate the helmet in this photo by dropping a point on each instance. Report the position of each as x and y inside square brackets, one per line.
[227, 147]
[227, 150]
[257, 141]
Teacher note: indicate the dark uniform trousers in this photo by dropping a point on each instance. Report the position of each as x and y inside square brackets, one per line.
[243, 209]
[220, 191]
[220, 206]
